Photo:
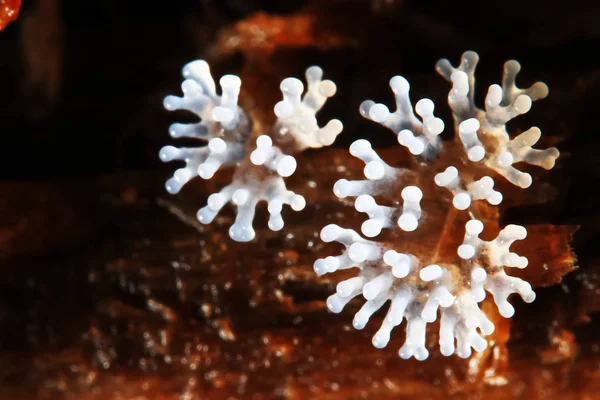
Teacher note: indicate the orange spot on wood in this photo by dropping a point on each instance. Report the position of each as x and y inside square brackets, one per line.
[9, 11]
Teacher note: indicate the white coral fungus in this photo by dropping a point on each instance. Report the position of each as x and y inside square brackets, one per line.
[419, 288]
[228, 131]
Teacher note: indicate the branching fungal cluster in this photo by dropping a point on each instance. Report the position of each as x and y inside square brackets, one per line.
[419, 286]
[502, 104]
[260, 163]
[405, 256]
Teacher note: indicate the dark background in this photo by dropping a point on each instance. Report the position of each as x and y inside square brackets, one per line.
[101, 69]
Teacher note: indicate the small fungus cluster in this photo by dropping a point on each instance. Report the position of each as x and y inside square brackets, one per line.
[260, 163]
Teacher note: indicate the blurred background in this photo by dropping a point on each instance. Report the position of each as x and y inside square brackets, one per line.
[85, 232]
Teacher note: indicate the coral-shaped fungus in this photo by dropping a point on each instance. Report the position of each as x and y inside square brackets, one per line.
[418, 261]
[260, 162]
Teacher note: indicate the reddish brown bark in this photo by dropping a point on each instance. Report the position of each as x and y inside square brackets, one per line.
[9, 11]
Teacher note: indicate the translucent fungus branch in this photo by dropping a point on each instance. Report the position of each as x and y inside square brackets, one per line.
[461, 97]
[420, 136]
[247, 191]
[482, 189]
[379, 174]
[223, 125]
[495, 255]
[380, 179]
[296, 115]
[502, 104]
[519, 149]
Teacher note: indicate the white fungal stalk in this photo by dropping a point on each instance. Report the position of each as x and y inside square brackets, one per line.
[496, 255]
[380, 176]
[482, 189]
[421, 287]
[419, 136]
[247, 191]
[226, 128]
[223, 125]
[502, 104]
[270, 156]
[463, 326]
[297, 115]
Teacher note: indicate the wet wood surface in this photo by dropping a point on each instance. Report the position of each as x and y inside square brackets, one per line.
[128, 296]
